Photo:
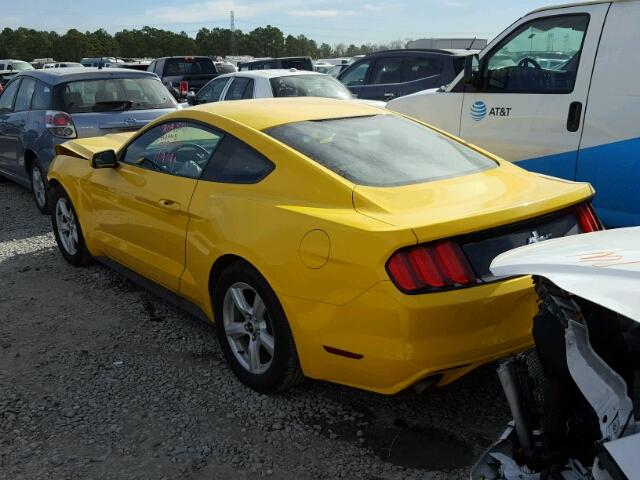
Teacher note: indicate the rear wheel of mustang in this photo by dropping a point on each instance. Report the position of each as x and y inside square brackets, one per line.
[253, 331]
[66, 229]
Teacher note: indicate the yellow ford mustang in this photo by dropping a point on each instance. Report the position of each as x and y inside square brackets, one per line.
[327, 239]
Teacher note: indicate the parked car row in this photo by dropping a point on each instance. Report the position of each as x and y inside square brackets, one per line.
[40, 109]
[272, 84]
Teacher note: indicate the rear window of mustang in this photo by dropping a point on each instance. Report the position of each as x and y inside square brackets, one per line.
[381, 150]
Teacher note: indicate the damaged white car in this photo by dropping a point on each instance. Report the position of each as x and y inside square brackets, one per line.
[572, 396]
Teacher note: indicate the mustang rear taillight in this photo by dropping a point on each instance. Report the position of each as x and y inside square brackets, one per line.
[430, 267]
[184, 87]
[60, 124]
[587, 218]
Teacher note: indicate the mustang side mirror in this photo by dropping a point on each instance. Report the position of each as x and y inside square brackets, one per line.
[105, 159]
[191, 98]
[471, 69]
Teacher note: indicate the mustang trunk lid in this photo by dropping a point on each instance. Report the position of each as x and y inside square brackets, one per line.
[470, 203]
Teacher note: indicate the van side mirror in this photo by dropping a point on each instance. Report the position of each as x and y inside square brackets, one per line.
[191, 98]
[471, 69]
[105, 159]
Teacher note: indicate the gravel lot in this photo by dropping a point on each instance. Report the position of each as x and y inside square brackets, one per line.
[100, 379]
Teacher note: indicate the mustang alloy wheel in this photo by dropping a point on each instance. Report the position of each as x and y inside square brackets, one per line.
[67, 227]
[248, 328]
[253, 330]
[67, 230]
[39, 188]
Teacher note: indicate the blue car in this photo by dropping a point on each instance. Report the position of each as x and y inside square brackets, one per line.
[40, 109]
[391, 74]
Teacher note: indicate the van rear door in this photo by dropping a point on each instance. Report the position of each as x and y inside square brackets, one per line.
[532, 89]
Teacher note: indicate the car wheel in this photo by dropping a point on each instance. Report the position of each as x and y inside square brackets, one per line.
[66, 229]
[39, 187]
[253, 331]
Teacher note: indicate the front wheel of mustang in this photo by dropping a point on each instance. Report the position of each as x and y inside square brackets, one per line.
[253, 331]
[66, 229]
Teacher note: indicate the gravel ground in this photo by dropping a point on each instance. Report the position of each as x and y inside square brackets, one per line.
[100, 379]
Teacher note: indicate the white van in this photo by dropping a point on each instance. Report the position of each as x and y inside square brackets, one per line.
[15, 65]
[559, 93]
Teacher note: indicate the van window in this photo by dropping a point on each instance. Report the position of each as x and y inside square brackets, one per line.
[541, 56]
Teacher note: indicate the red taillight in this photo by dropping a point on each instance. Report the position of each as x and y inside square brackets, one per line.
[434, 266]
[60, 120]
[184, 87]
[60, 124]
[587, 218]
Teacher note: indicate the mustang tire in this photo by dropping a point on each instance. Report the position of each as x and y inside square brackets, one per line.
[253, 331]
[67, 230]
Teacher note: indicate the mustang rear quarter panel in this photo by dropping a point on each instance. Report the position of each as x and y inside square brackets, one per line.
[265, 223]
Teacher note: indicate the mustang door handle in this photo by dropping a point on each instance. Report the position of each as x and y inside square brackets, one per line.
[169, 204]
[575, 113]
[389, 96]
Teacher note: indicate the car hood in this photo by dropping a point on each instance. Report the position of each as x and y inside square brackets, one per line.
[86, 147]
[469, 203]
[603, 267]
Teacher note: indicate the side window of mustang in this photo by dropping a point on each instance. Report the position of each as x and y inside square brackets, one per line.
[178, 148]
[236, 162]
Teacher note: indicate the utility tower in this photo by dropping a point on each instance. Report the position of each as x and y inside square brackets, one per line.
[234, 46]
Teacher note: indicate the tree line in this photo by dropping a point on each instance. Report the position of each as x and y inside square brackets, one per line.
[28, 44]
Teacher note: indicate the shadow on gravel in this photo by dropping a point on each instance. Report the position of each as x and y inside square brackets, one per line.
[442, 429]
[19, 217]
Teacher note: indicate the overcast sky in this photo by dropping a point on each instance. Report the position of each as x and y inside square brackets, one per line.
[331, 21]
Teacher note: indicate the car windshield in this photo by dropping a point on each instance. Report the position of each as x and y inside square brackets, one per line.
[113, 94]
[189, 66]
[309, 86]
[381, 150]
[21, 66]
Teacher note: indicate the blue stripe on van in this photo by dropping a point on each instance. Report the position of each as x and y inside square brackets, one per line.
[614, 171]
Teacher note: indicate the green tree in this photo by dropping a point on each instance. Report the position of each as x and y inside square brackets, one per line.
[265, 42]
[325, 51]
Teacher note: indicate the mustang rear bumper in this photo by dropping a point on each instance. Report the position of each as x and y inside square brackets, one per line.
[402, 339]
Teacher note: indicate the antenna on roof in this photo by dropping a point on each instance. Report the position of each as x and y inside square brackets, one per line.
[472, 42]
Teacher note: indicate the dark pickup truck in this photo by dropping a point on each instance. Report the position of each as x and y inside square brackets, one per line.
[184, 74]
